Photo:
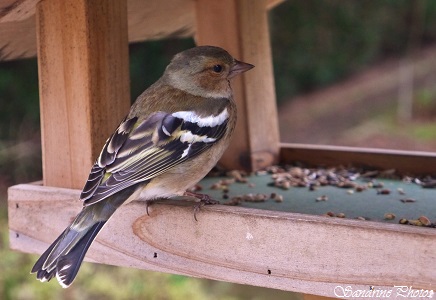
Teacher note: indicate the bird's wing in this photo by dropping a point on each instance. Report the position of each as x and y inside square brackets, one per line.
[140, 151]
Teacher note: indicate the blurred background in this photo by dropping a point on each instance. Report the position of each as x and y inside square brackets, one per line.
[352, 73]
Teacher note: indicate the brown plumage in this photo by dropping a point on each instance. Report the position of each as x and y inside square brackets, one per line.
[175, 132]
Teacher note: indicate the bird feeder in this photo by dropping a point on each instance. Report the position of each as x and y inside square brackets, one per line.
[82, 50]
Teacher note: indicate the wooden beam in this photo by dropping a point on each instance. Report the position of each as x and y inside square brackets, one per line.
[288, 251]
[16, 10]
[241, 27]
[84, 83]
[405, 162]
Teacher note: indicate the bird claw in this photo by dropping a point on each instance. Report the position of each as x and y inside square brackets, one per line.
[204, 200]
[147, 204]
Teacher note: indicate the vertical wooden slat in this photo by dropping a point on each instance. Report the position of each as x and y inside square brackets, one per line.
[84, 83]
[241, 27]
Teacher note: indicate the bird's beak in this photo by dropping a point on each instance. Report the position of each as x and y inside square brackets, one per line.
[238, 68]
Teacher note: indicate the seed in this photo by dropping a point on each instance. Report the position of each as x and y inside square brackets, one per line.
[347, 184]
[360, 188]
[260, 197]
[278, 198]
[361, 218]
[415, 222]
[234, 201]
[383, 192]
[424, 220]
[248, 197]
[216, 186]
[340, 215]
[378, 185]
[228, 181]
[401, 191]
[286, 185]
[273, 195]
[237, 175]
[350, 192]
[312, 187]
[330, 214]
[403, 221]
[272, 169]
[322, 198]
[296, 172]
[429, 185]
[389, 216]
[408, 200]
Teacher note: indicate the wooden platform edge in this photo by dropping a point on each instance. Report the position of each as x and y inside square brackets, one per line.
[288, 251]
[405, 162]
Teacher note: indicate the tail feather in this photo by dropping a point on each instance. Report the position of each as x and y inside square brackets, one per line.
[64, 257]
[66, 265]
[38, 267]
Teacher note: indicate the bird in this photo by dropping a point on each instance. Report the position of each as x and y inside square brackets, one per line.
[174, 134]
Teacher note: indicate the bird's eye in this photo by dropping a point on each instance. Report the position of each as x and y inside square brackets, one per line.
[217, 68]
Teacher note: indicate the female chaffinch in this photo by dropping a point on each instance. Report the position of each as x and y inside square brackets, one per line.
[180, 125]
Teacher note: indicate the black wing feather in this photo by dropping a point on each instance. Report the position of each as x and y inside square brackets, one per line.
[151, 148]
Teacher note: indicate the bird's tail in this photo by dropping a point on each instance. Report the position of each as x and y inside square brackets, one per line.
[64, 257]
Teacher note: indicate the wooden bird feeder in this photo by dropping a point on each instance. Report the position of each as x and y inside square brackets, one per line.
[82, 50]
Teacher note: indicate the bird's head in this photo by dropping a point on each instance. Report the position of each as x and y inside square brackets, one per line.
[204, 71]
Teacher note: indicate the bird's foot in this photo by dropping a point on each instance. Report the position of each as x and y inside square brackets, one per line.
[147, 204]
[204, 200]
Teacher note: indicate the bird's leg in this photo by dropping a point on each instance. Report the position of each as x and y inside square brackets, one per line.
[204, 200]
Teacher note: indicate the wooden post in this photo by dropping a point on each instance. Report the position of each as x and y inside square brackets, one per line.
[84, 83]
[241, 27]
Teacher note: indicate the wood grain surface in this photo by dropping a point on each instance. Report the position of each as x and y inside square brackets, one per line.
[288, 251]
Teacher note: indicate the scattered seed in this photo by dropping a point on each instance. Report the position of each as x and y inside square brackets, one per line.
[403, 221]
[424, 220]
[370, 174]
[260, 197]
[322, 198]
[383, 192]
[330, 214]
[361, 218]
[429, 184]
[346, 184]
[401, 191]
[360, 188]
[278, 198]
[296, 172]
[408, 200]
[340, 215]
[389, 216]
[216, 186]
[350, 192]
[234, 201]
[261, 173]
[415, 222]
[378, 185]
[286, 185]
[237, 175]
